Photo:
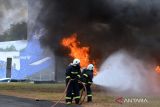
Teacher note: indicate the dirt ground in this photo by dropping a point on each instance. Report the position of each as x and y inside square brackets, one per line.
[53, 92]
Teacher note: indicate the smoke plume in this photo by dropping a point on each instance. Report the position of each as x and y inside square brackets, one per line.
[104, 25]
[34, 25]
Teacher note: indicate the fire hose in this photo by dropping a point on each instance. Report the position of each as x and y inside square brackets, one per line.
[83, 90]
[81, 101]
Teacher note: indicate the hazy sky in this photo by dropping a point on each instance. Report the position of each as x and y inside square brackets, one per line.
[11, 12]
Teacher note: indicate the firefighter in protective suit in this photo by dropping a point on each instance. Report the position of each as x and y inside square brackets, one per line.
[87, 76]
[73, 73]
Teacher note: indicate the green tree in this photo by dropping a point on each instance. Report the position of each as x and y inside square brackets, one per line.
[11, 48]
[16, 32]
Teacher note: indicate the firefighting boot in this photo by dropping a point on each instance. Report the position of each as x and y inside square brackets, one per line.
[89, 99]
[72, 97]
[68, 101]
[77, 100]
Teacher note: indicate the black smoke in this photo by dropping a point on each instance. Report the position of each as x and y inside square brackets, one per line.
[104, 25]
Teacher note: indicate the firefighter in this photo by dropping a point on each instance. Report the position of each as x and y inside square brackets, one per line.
[87, 76]
[73, 73]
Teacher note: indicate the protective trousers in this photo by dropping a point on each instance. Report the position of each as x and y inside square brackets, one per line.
[73, 88]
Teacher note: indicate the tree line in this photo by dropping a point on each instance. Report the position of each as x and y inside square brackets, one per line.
[16, 32]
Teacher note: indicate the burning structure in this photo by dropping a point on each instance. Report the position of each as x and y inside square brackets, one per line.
[102, 27]
[157, 69]
[105, 26]
[76, 51]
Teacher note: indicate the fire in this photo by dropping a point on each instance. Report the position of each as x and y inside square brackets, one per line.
[77, 51]
[157, 69]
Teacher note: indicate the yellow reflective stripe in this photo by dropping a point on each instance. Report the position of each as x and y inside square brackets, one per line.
[77, 97]
[85, 75]
[68, 98]
[68, 103]
[79, 76]
[68, 77]
[74, 72]
[90, 95]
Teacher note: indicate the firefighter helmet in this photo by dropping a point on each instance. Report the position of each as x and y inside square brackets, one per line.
[90, 67]
[76, 61]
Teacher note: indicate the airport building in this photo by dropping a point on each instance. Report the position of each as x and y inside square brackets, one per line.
[25, 59]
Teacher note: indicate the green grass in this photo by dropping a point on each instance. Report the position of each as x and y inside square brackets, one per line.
[33, 87]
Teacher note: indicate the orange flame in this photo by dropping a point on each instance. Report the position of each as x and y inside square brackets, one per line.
[157, 69]
[76, 51]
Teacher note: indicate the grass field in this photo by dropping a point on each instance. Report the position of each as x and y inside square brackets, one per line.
[53, 92]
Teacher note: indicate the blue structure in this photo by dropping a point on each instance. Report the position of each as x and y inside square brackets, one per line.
[31, 54]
